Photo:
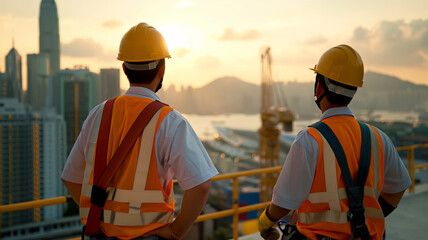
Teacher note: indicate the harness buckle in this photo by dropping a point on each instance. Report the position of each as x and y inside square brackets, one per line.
[357, 217]
[98, 196]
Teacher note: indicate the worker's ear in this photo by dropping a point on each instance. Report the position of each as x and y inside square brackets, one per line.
[161, 71]
[319, 89]
[123, 67]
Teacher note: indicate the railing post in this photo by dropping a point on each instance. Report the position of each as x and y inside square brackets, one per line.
[412, 155]
[409, 166]
[235, 208]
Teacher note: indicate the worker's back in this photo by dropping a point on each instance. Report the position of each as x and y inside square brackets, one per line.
[136, 202]
[325, 211]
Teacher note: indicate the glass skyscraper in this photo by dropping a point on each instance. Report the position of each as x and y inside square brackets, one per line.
[109, 84]
[73, 93]
[49, 34]
[38, 80]
[14, 75]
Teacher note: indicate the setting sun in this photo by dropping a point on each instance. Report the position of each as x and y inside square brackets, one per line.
[175, 36]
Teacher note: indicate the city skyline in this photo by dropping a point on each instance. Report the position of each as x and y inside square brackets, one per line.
[39, 128]
[208, 40]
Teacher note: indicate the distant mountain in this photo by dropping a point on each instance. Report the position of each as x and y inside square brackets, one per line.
[383, 92]
[233, 95]
[223, 95]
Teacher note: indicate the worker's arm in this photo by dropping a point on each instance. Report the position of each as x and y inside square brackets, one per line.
[393, 198]
[396, 177]
[74, 189]
[389, 201]
[193, 202]
[267, 220]
[275, 212]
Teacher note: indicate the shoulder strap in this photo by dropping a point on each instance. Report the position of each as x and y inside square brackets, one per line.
[103, 138]
[335, 145]
[100, 164]
[355, 192]
[365, 157]
[105, 173]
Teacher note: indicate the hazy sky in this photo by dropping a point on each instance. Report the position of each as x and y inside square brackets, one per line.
[215, 38]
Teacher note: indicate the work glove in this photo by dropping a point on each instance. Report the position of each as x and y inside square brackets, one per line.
[266, 229]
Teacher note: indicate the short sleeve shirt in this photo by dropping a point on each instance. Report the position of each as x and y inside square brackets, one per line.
[179, 151]
[297, 175]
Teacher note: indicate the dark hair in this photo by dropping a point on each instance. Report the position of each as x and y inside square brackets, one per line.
[146, 76]
[332, 97]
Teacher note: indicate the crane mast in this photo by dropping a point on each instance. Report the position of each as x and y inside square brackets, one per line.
[269, 147]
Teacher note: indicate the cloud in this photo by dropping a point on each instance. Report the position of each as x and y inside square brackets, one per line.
[180, 52]
[316, 40]
[85, 48]
[230, 35]
[112, 24]
[207, 61]
[393, 43]
[360, 34]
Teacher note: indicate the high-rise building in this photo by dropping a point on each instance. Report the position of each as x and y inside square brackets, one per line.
[73, 93]
[53, 151]
[32, 155]
[14, 73]
[49, 34]
[109, 84]
[4, 84]
[18, 182]
[37, 79]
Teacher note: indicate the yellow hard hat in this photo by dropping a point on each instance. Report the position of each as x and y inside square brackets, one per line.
[142, 43]
[342, 64]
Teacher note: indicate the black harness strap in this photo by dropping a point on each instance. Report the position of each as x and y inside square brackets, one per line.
[355, 191]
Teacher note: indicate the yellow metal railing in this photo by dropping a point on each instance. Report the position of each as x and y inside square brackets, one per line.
[34, 204]
[411, 167]
[235, 210]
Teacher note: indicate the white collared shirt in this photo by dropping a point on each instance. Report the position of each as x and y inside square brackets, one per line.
[297, 175]
[179, 151]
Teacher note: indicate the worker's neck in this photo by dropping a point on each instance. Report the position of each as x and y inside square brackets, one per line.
[325, 105]
[148, 86]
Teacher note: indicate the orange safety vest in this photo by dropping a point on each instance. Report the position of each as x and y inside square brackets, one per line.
[325, 210]
[136, 200]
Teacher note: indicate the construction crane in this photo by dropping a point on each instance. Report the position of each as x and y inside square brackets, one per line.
[271, 114]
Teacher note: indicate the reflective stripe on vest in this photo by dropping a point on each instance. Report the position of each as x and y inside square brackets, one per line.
[137, 206]
[316, 214]
[333, 194]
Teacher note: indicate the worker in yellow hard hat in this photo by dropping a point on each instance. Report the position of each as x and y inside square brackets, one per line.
[341, 176]
[121, 167]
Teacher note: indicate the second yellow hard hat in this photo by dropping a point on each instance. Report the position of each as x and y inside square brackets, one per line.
[342, 64]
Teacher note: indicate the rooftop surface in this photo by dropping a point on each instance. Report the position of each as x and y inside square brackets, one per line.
[408, 221]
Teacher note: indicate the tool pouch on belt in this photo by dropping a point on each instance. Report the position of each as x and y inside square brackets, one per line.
[288, 231]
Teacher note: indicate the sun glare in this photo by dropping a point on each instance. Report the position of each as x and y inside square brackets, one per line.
[175, 36]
